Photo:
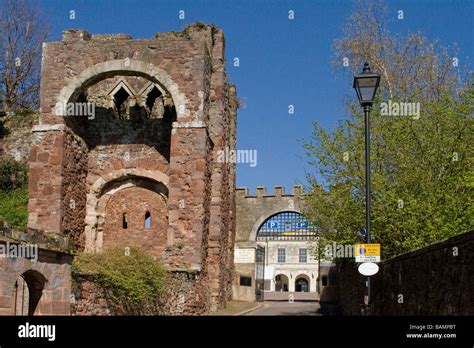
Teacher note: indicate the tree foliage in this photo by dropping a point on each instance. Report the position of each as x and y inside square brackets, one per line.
[13, 175]
[412, 67]
[422, 167]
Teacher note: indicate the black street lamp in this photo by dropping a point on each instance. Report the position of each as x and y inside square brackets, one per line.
[366, 84]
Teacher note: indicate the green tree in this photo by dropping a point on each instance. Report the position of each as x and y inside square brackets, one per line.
[422, 176]
[13, 175]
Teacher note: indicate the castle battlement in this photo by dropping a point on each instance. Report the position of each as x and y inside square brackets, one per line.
[190, 31]
[261, 191]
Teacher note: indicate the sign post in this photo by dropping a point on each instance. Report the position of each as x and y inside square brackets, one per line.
[367, 254]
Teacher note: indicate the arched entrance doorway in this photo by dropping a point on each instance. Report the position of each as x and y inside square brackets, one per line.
[28, 291]
[281, 283]
[302, 283]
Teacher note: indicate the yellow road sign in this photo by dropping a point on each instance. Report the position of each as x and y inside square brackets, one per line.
[367, 252]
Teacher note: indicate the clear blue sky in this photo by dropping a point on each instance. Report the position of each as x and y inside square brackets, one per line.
[282, 61]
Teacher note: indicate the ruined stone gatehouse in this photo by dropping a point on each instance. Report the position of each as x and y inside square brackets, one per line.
[125, 151]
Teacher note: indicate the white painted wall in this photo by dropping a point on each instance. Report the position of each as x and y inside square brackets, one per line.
[292, 268]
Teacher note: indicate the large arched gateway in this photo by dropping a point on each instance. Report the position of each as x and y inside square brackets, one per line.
[276, 247]
[289, 240]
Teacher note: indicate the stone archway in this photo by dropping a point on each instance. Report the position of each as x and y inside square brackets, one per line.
[126, 66]
[28, 292]
[302, 283]
[105, 187]
[281, 283]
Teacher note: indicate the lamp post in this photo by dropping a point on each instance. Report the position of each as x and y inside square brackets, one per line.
[366, 84]
[318, 287]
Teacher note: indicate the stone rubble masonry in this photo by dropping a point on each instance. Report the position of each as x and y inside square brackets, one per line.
[15, 134]
[182, 296]
[85, 173]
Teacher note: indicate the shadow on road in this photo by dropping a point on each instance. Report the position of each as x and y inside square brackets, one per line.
[325, 309]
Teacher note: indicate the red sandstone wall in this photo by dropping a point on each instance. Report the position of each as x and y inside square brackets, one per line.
[135, 202]
[45, 181]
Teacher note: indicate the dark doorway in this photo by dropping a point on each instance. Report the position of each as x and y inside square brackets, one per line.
[301, 285]
[28, 291]
[281, 283]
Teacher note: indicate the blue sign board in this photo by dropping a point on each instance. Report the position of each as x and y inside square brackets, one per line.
[272, 224]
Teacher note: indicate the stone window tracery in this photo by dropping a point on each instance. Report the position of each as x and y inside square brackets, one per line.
[120, 98]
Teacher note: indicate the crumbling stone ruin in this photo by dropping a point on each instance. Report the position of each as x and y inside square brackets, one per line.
[124, 153]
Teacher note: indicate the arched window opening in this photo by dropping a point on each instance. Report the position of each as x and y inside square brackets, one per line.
[151, 98]
[147, 220]
[82, 97]
[124, 221]
[120, 98]
[287, 225]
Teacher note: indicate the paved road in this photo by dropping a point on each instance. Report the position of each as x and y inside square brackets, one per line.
[287, 308]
